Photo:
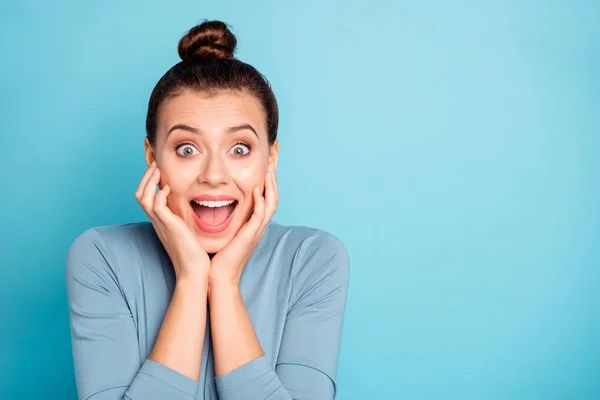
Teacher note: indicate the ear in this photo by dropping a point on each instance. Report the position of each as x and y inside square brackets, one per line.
[148, 152]
[274, 153]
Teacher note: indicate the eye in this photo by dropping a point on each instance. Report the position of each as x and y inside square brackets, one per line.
[186, 150]
[240, 149]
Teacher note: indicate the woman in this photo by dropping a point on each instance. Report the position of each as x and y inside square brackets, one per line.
[210, 299]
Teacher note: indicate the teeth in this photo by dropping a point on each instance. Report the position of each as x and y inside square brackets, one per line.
[221, 203]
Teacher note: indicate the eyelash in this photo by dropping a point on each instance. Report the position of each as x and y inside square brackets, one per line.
[249, 146]
[178, 146]
[244, 144]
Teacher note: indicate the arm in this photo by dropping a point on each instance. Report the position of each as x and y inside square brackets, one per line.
[233, 336]
[308, 358]
[181, 336]
[106, 353]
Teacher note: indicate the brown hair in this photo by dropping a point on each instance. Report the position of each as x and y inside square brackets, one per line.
[207, 65]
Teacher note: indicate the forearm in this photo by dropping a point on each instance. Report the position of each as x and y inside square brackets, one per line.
[234, 340]
[181, 336]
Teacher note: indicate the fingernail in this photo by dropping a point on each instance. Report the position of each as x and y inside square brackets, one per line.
[270, 175]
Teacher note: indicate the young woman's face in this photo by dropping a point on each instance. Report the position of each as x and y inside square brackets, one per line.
[212, 148]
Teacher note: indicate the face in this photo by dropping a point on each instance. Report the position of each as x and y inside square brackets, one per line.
[212, 150]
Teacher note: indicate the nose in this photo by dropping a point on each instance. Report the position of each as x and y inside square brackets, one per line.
[214, 172]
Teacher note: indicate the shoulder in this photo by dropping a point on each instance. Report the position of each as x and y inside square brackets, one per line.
[315, 253]
[304, 239]
[112, 238]
[100, 249]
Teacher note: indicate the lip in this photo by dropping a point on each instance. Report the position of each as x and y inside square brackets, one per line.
[206, 228]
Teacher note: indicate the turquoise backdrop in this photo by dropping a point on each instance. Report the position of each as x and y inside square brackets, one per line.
[452, 146]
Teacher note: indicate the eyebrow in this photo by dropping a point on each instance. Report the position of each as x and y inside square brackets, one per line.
[197, 131]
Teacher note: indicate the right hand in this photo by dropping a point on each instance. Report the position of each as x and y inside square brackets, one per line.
[190, 261]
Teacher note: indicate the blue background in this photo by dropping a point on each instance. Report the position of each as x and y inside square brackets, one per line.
[452, 147]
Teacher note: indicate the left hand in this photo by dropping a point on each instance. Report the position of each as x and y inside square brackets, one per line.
[229, 262]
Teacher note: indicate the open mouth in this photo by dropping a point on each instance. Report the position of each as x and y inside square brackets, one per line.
[213, 215]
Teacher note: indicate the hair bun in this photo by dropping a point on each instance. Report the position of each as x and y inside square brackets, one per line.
[209, 39]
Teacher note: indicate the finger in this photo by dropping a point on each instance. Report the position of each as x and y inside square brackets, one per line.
[147, 174]
[275, 187]
[274, 169]
[159, 207]
[147, 201]
[253, 226]
[274, 180]
[144, 180]
[270, 197]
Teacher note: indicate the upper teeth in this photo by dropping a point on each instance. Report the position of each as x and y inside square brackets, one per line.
[220, 203]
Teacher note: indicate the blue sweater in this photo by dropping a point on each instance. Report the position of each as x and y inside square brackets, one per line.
[120, 281]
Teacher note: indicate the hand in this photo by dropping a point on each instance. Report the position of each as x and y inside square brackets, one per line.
[227, 265]
[190, 261]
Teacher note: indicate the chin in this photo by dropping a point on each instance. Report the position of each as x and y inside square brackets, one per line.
[213, 245]
[213, 242]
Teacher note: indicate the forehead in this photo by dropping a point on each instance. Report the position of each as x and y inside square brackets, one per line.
[212, 112]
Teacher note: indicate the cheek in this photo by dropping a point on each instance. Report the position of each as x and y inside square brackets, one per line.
[249, 176]
[179, 178]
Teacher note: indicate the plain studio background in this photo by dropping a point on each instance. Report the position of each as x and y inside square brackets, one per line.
[452, 147]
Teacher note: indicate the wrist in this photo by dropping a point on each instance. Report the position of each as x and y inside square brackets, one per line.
[194, 283]
[222, 287]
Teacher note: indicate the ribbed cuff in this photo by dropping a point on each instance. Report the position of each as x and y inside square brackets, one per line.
[157, 381]
[253, 380]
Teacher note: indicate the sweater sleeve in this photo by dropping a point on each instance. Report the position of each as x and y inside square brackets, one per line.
[106, 355]
[308, 357]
